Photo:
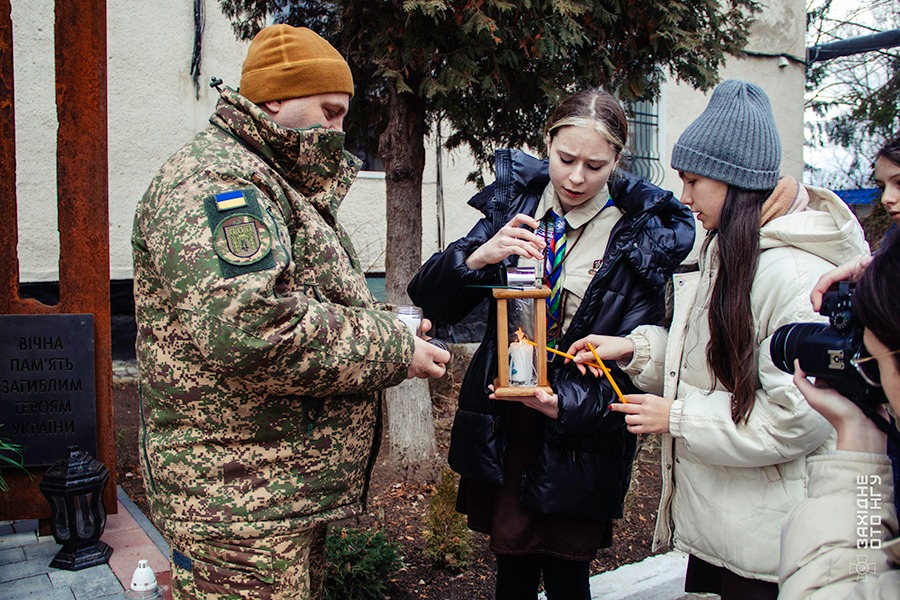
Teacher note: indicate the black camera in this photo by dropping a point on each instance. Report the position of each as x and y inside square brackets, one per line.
[826, 351]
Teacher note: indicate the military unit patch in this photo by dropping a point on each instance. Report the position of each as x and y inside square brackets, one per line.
[241, 238]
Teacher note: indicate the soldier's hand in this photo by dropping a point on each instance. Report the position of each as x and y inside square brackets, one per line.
[428, 360]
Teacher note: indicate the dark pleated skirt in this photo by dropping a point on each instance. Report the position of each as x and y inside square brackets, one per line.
[514, 529]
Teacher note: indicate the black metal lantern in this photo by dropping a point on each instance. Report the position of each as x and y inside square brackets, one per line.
[74, 488]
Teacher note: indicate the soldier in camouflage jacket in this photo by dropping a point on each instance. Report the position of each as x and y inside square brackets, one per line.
[260, 347]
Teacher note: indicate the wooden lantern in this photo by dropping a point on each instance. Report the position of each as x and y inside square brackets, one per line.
[503, 386]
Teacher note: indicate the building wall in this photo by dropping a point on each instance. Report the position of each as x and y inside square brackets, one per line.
[363, 211]
[153, 111]
[779, 30]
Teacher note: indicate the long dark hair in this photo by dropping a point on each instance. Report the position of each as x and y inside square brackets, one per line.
[875, 298]
[732, 343]
[890, 150]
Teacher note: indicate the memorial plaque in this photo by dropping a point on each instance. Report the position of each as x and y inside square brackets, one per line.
[47, 396]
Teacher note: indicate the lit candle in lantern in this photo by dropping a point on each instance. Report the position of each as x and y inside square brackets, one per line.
[521, 361]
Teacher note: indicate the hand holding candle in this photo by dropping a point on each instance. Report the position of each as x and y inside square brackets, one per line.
[411, 317]
[598, 365]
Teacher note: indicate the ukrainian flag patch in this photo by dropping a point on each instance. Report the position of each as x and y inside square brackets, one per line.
[230, 200]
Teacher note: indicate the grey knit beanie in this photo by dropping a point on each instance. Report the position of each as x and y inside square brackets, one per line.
[735, 139]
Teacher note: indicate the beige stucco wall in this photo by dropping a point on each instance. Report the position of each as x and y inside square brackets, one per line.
[153, 111]
[780, 29]
[35, 138]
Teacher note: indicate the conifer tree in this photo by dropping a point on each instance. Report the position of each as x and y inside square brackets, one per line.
[851, 100]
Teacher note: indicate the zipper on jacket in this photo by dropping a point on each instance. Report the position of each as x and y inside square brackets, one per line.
[144, 439]
[502, 170]
[373, 451]
[313, 412]
[280, 243]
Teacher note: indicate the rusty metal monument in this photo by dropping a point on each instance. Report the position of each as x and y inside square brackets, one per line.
[83, 198]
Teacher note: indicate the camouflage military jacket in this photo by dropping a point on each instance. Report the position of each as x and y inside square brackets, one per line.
[259, 345]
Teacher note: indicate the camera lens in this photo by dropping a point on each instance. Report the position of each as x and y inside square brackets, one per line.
[786, 340]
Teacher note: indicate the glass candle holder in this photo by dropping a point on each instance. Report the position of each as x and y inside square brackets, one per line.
[523, 369]
[411, 316]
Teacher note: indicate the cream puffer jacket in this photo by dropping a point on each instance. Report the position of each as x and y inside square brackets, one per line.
[842, 541]
[727, 487]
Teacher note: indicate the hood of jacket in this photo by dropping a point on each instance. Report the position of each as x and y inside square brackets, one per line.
[827, 229]
[312, 160]
[521, 178]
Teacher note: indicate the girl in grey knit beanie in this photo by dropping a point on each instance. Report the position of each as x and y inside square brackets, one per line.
[722, 400]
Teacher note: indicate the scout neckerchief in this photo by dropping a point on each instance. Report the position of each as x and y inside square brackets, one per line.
[556, 254]
[553, 229]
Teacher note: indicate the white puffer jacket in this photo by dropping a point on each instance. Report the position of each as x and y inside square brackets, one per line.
[726, 487]
[842, 541]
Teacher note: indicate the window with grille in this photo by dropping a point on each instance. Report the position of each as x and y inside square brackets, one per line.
[643, 157]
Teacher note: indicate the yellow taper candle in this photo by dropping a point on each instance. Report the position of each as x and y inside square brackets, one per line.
[612, 381]
[563, 354]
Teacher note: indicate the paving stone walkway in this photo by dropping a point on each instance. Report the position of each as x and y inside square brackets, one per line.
[25, 558]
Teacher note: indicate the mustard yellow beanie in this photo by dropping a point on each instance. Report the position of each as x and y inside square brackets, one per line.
[292, 62]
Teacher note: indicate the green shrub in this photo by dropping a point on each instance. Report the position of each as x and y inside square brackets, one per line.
[357, 564]
[448, 542]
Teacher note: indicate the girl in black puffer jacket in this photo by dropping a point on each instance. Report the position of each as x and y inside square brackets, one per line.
[545, 475]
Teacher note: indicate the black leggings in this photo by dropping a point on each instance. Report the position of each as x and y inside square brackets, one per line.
[704, 577]
[518, 577]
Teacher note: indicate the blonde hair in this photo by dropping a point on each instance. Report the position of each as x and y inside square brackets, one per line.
[593, 108]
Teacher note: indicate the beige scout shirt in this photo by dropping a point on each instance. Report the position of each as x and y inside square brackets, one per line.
[583, 257]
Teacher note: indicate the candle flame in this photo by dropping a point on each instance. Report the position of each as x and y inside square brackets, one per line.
[521, 335]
